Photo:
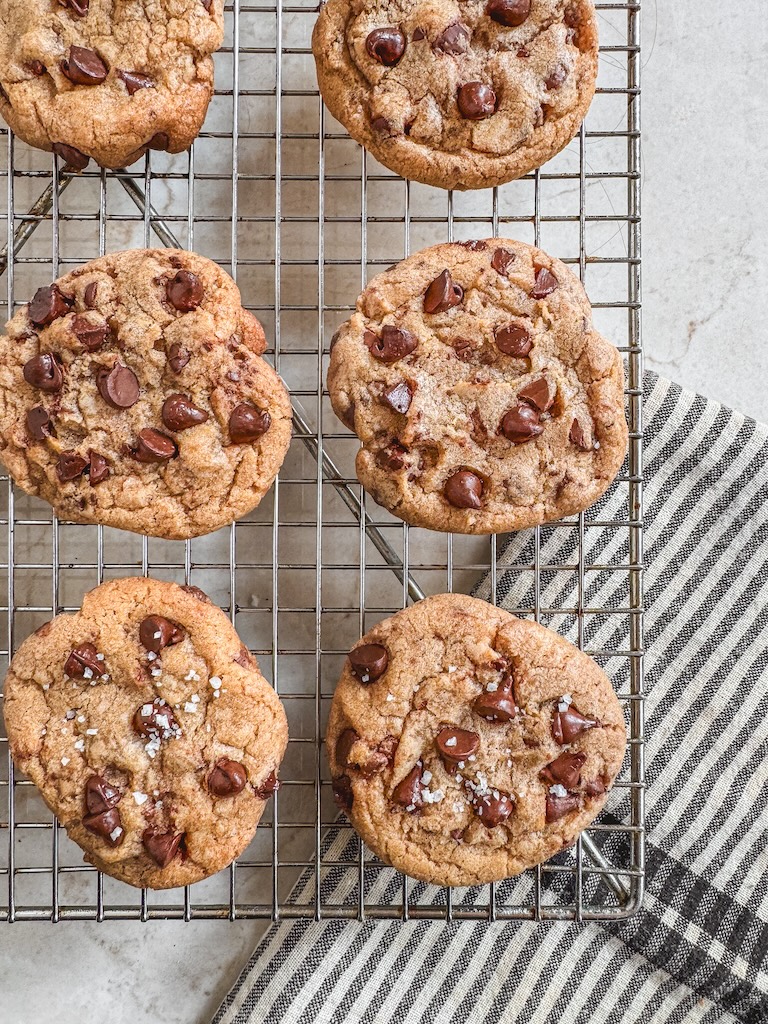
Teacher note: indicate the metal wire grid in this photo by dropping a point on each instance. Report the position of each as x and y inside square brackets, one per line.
[277, 192]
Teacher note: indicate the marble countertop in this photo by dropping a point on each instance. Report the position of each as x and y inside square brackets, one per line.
[705, 232]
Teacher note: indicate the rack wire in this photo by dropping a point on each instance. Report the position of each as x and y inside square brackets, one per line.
[276, 192]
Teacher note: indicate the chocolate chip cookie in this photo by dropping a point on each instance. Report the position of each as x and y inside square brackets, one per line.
[467, 745]
[133, 394]
[107, 80]
[458, 95]
[484, 398]
[148, 729]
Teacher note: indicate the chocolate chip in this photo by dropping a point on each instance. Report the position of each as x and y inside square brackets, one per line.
[513, 340]
[154, 446]
[565, 769]
[544, 283]
[180, 413]
[160, 141]
[119, 387]
[567, 725]
[344, 745]
[442, 294]
[386, 45]
[156, 720]
[502, 260]
[43, 372]
[47, 305]
[476, 101]
[84, 66]
[207, 5]
[107, 825]
[83, 662]
[157, 632]
[342, 792]
[78, 7]
[407, 793]
[72, 157]
[184, 291]
[559, 806]
[418, 35]
[247, 423]
[464, 489]
[498, 705]
[162, 847]
[89, 295]
[509, 13]
[227, 778]
[39, 423]
[521, 424]
[595, 787]
[70, 466]
[393, 344]
[556, 77]
[381, 124]
[392, 456]
[491, 809]
[399, 397]
[100, 795]
[37, 68]
[178, 357]
[453, 40]
[91, 336]
[369, 662]
[457, 834]
[243, 658]
[576, 436]
[98, 468]
[135, 80]
[372, 762]
[268, 787]
[456, 745]
[199, 595]
[538, 393]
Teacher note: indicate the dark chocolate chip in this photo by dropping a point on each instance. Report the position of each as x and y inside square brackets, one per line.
[119, 387]
[392, 456]
[160, 141]
[498, 705]
[556, 77]
[567, 725]
[399, 397]
[381, 124]
[178, 357]
[43, 372]
[565, 769]
[162, 847]
[72, 157]
[456, 745]
[464, 489]
[344, 745]
[36, 67]
[509, 13]
[369, 662]
[418, 35]
[342, 792]
[559, 806]
[227, 778]
[157, 632]
[78, 7]
[595, 787]
[268, 787]
[453, 40]
[394, 343]
[47, 305]
[98, 468]
[197, 593]
[476, 101]
[442, 294]
[407, 793]
[501, 261]
[39, 423]
[84, 66]
[576, 436]
[100, 795]
[513, 340]
[491, 809]
[154, 446]
[81, 658]
[89, 295]
[70, 466]
[521, 424]
[386, 45]
[538, 393]
[207, 5]
[156, 720]
[544, 283]
[180, 413]
[90, 335]
[107, 825]
[184, 291]
[243, 657]
[135, 80]
[247, 423]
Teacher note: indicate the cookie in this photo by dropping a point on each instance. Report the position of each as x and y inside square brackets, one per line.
[133, 394]
[458, 95]
[148, 729]
[467, 745]
[484, 398]
[107, 80]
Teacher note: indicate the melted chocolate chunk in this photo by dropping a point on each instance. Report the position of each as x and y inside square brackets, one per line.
[464, 489]
[83, 662]
[156, 632]
[227, 778]
[393, 344]
[369, 662]
[442, 294]
[407, 793]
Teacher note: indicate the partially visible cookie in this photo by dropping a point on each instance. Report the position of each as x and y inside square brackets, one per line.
[148, 729]
[467, 745]
[133, 394]
[107, 79]
[458, 95]
[483, 396]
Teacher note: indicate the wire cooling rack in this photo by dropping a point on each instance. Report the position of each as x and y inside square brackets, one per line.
[276, 192]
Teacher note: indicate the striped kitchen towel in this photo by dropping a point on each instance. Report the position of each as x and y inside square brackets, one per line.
[698, 950]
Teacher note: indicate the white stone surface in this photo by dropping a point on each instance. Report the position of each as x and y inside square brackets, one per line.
[705, 234]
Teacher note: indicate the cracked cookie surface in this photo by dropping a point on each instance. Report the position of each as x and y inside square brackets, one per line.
[133, 394]
[467, 745]
[148, 729]
[107, 79]
[458, 95]
[484, 398]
